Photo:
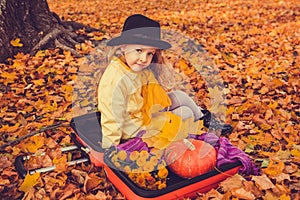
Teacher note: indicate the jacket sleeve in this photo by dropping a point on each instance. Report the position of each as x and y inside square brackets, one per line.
[112, 105]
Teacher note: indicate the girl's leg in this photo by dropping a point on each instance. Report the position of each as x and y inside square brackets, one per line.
[184, 112]
[180, 98]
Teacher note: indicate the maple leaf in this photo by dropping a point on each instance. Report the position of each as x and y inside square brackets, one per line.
[40, 53]
[29, 181]
[35, 143]
[60, 163]
[16, 42]
[9, 76]
[236, 181]
[216, 94]
[38, 82]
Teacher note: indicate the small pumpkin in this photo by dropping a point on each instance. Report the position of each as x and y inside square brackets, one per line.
[189, 158]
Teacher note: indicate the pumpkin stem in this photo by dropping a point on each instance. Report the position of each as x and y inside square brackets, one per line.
[189, 144]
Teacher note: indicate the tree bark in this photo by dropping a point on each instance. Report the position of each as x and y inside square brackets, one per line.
[36, 26]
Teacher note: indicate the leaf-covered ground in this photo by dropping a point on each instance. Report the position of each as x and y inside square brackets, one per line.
[256, 47]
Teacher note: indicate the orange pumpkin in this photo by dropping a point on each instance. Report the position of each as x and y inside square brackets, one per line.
[189, 158]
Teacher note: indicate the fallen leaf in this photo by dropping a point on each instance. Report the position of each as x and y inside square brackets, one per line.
[40, 53]
[275, 168]
[236, 181]
[263, 182]
[68, 191]
[212, 194]
[291, 168]
[251, 187]
[29, 181]
[4, 162]
[79, 176]
[241, 193]
[270, 195]
[35, 143]
[60, 163]
[99, 196]
[91, 182]
[16, 42]
[295, 152]
[281, 177]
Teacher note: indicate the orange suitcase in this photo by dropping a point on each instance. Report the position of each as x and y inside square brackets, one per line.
[87, 136]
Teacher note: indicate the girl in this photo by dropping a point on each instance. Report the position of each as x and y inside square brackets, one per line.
[131, 97]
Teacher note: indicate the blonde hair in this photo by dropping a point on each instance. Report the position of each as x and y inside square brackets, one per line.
[163, 70]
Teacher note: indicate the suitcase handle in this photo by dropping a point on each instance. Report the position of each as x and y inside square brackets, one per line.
[19, 165]
[84, 150]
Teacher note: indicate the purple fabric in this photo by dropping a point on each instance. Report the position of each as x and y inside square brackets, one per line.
[134, 144]
[228, 153]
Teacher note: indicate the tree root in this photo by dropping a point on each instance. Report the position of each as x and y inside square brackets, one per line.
[62, 39]
[66, 48]
[50, 36]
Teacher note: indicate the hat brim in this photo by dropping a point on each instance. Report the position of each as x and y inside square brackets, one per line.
[160, 44]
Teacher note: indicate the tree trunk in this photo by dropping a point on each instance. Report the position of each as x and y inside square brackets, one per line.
[36, 26]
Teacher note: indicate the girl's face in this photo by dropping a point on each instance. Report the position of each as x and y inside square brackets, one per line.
[138, 57]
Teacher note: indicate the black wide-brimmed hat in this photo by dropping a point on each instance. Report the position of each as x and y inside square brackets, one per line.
[139, 29]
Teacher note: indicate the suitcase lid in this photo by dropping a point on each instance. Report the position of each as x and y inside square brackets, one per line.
[88, 128]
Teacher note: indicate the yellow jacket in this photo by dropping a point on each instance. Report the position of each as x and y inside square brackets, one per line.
[132, 101]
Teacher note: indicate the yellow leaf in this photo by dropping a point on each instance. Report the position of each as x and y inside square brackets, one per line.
[295, 153]
[60, 163]
[84, 47]
[20, 65]
[84, 103]
[9, 76]
[265, 126]
[39, 82]
[264, 90]
[273, 105]
[284, 197]
[277, 82]
[274, 168]
[16, 42]
[217, 108]
[35, 143]
[40, 53]
[185, 67]
[10, 129]
[29, 181]
[230, 110]
[216, 94]
[67, 89]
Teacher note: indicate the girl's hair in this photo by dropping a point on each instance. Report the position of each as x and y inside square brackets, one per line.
[163, 70]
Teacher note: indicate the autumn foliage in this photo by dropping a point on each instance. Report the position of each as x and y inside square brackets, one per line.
[256, 47]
